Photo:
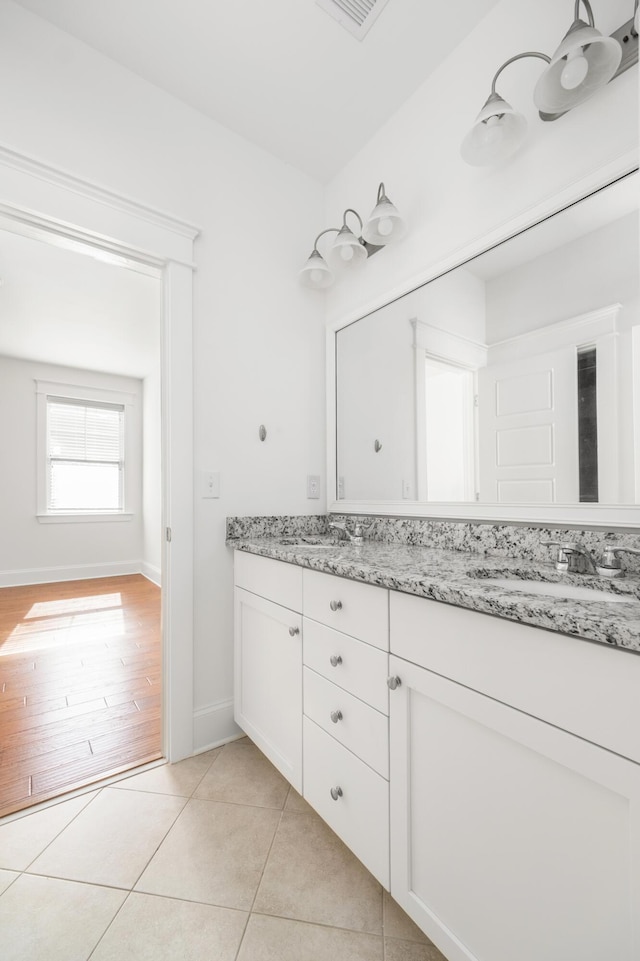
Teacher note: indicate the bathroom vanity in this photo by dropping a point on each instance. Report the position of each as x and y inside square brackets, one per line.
[487, 772]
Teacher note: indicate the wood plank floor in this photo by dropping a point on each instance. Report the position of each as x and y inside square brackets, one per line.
[80, 675]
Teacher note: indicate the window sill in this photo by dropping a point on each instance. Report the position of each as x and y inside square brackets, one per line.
[88, 518]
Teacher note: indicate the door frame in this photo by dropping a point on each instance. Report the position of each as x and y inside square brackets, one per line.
[50, 204]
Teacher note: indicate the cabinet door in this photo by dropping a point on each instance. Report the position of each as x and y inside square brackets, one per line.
[509, 837]
[268, 680]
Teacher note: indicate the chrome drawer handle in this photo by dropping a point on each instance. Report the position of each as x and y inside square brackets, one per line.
[393, 682]
[335, 605]
[335, 659]
[336, 716]
[336, 792]
[293, 631]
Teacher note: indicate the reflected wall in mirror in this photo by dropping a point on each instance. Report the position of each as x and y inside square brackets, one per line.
[512, 379]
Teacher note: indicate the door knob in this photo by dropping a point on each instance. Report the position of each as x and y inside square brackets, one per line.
[336, 792]
[293, 631]
[393, 682]
[335, 605]
[336, 716]
[335, 659]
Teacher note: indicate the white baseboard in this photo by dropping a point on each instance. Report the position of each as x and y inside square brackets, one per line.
[214, 725]
[81, 572]
[153, 574]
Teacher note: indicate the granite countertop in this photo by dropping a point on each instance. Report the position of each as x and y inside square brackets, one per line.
[459, 578]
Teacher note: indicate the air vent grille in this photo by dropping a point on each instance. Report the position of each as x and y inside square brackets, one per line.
[356, 16]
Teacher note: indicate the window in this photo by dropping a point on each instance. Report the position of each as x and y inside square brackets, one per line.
[85, 456]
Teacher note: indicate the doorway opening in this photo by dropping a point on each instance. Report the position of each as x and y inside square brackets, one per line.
[39, 200]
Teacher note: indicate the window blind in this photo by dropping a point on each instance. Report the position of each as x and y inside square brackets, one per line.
[85, 455]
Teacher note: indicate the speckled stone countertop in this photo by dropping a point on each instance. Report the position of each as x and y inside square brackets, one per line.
[460, 578]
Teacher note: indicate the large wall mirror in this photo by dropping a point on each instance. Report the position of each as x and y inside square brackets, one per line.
[508, 387]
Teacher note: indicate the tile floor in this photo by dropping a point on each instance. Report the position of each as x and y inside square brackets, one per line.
[212, 859]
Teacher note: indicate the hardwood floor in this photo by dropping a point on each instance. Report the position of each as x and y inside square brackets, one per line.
[80, 676]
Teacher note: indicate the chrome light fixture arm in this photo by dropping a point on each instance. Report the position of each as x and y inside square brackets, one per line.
[518, 56]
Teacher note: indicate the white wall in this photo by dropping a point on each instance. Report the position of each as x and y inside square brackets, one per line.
[258, 336]
[29, 550]
[448, 204]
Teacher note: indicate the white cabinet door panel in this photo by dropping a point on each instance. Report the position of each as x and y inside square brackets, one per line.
[509, 838]
[268, 680]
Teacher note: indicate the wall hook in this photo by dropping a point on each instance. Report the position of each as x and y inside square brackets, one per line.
[377, 446]
[262, 432]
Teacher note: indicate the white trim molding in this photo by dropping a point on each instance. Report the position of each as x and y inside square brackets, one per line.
[213, 725]
[79, 572]
[583, 329]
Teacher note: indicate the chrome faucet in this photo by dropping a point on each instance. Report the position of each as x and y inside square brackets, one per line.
[356, 536]
[572, 557]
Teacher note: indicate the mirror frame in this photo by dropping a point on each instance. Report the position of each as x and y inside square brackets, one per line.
[622, 516]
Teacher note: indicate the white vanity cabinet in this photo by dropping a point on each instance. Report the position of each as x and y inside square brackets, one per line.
[514, 805]
[346, 725]
[268, 659]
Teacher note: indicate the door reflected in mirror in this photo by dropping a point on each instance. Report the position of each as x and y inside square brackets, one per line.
[512, 379]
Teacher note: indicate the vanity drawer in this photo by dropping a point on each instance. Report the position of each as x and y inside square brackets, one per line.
[360, 728]
[361, 610]
[361, 669]
[360, 815]
[280, 582]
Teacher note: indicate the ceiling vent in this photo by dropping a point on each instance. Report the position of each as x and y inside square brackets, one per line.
[356, 16]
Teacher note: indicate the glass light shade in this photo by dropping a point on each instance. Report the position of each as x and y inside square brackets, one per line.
[497, 133]
[316, 272]
[385, 225]
[584, 62]
[347, 251]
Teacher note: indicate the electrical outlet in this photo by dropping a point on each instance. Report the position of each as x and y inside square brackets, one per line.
[407, 492]
[313, 486]
[210, 483]
[341, 488]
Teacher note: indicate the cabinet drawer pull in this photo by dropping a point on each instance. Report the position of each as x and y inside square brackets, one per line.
[293, 631]
[336, 792]
[335, 659]
[335, 605]
[393, 682]
[336, 716]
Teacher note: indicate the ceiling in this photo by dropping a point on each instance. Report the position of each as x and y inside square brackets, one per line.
[59, 306]
[281, 73]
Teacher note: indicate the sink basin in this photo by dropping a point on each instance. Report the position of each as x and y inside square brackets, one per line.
[303, 542]
[575, 592]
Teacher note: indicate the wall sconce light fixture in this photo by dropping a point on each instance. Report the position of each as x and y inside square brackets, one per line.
[584, 62]
[349, 251]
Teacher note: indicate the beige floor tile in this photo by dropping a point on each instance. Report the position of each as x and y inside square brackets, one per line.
[398, 924]
[297, 804]
[243, 775]
[24, 839]
[214, 853]
[149, 928]
[312, 876]
[180, 779]
[112, 840]
[45, 919]
[411, 951]
[7, 878]
[277, 939]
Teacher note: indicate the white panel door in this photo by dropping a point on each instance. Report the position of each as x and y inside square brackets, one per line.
[510, 839]
[528, 430]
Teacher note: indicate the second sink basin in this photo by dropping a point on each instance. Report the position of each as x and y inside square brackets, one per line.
[574, 592]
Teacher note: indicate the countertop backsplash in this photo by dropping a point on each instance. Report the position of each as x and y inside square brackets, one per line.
[491, 540]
